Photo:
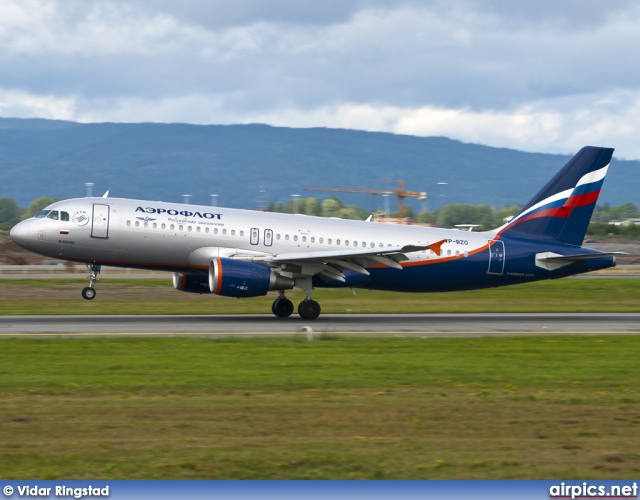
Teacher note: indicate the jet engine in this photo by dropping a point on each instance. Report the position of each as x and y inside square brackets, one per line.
[191, 282]
[236, 278]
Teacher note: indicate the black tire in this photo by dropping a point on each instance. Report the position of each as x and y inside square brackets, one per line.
[309, 309]
[88, 293]
[283, 308]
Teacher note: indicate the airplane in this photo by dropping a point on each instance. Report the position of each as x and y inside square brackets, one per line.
[244, 253]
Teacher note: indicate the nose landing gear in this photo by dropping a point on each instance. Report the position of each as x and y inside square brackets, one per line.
[89, 293]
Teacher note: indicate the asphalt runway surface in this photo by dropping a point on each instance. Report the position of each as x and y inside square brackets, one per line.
[354, 324]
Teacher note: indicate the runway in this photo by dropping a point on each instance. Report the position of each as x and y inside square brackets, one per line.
[352, 324]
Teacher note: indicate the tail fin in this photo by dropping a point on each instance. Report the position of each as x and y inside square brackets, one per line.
[561, 210]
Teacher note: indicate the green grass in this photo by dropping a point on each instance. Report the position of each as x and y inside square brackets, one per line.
[154, 296]
[361, 408]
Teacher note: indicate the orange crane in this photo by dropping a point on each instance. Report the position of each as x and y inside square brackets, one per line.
[400, 193]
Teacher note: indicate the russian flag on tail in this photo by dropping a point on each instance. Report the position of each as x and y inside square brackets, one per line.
[562, 209]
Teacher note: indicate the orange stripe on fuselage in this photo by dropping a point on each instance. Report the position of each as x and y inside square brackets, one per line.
[435, 261]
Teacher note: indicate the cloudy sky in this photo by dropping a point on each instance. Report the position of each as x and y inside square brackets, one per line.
[538, 75]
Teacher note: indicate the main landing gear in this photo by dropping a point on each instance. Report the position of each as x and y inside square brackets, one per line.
[283, 308]
[89, 293]
[307, 309]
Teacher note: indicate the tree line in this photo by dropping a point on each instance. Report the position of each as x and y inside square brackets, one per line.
[453, 214]
[11, 213]
[450, 215]
[485, 216]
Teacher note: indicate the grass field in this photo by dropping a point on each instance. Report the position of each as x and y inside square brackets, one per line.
[156, 296]
[340, 408]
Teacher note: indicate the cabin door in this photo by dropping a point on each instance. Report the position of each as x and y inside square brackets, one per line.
[496, 257]
[100, 221]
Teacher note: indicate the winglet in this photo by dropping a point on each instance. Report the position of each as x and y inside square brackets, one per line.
[436, 246]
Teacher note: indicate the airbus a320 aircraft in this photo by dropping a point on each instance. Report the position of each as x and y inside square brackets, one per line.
[242, 253]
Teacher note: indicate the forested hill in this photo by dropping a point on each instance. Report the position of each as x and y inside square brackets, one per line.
[164, 161]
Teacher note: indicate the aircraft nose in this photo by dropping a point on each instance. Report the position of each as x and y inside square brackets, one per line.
[20, 234]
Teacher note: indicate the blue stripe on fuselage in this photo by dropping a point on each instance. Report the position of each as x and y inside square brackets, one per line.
[470, 272]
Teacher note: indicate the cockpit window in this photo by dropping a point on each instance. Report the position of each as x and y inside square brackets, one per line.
[54, 215]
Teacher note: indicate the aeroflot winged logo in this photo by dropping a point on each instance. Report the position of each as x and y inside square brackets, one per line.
[184, 213]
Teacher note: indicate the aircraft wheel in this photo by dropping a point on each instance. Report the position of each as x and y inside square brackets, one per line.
[282, 308]
[309, 309]
[88, 293]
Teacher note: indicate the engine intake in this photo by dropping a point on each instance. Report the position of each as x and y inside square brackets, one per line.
[236, 278]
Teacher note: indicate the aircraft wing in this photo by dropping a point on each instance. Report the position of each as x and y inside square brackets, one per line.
[331, 264]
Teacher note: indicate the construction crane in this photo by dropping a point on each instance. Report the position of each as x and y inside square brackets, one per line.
[400, 193]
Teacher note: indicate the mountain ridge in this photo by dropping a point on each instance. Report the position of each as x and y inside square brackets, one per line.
[163, 161]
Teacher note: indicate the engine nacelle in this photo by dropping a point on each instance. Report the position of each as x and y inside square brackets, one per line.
[237, 278]
[191, 282]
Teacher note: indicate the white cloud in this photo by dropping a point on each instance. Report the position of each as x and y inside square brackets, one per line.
[15, 103]
[539, 76]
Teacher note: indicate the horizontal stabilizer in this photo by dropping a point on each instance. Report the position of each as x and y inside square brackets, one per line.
[551, 261]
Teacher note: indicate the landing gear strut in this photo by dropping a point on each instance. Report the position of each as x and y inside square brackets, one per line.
[308, 308]
[89, 293]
